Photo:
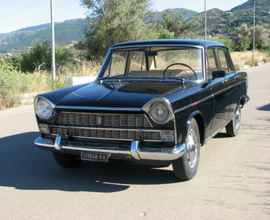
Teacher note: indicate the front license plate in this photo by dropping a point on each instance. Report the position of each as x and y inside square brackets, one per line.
[93, 156]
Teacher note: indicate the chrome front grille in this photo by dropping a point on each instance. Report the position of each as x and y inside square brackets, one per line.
[107, 134]
[104, 120]
[105, 126]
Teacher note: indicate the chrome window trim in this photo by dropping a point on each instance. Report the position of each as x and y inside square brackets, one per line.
[156, 45]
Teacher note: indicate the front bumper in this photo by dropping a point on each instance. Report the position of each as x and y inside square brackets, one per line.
[135, 152]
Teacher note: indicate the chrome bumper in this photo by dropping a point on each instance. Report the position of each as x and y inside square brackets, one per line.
[247, 98]
[135, 152]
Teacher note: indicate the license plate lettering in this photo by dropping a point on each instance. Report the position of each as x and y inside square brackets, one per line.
[92, 156]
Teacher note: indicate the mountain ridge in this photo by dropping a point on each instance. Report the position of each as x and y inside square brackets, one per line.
[65, 33]
[218, 22]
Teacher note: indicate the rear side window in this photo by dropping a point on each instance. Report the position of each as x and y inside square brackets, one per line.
[223, 60]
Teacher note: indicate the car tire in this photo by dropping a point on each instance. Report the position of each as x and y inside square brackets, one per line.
[232, 129]
[66, 161]
[186, 166]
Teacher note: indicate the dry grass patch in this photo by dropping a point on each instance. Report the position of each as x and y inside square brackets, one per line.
[241, 59]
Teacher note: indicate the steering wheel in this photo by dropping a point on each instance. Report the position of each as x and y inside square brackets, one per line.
[183, 70]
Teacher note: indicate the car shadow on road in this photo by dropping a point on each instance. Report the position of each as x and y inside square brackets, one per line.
[265, 108]
[221, 135]
[24, 166]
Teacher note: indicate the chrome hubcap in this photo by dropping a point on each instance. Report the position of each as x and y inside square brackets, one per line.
[237, 118]
[192, 147]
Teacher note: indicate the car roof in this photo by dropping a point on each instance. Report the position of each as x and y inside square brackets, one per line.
[175, 42]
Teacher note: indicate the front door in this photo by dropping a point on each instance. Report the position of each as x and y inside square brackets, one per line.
[220, 87]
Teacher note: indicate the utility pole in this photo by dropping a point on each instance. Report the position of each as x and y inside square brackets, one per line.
[53, 48]
[205, 21]
[254, 33]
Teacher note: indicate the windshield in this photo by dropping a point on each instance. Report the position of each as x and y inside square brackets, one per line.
[155, 62]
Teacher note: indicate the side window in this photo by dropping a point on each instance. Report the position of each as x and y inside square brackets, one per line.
[223, 60]
[212, 64]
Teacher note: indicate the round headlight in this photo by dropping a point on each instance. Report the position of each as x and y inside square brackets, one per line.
[159, 112]
[44, 109]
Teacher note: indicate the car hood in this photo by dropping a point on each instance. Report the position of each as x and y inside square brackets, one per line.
[118, 94]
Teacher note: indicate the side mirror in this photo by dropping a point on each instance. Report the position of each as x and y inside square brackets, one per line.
[219, 74]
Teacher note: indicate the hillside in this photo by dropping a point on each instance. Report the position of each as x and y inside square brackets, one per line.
[218, 22]
[224, 22]
[189, 14]
[65, 33]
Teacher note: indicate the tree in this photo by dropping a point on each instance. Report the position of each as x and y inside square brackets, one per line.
[63, 57]
[114, 21]
[164, 33]
[222, 39]
[241, 38]
[36, 58]
[39, 57]
[261, 36]
[177, 24]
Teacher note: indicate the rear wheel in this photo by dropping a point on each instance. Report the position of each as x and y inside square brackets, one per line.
[66, 161]
[232, 129]
[186, 166]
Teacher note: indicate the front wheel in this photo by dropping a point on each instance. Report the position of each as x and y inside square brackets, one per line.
[186, 166]
[66, 161]
[232, 129]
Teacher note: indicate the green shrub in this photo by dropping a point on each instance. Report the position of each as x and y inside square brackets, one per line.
[236, 67]
[252, 62]
[10, 84]
[266, 60]
[38, 58]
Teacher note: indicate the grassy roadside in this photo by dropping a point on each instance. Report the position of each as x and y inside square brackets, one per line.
[14, 83]
[244, 60]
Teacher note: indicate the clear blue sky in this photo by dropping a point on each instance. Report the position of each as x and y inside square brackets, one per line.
[17, 14]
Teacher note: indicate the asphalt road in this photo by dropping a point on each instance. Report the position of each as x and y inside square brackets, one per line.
[233, 180]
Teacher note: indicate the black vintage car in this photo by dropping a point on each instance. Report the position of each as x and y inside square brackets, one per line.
[153, 102]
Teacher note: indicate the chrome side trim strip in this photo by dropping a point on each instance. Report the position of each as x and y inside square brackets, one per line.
[204, 99]
[192, 104]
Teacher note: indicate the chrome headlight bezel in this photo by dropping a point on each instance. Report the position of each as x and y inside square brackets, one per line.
[44, 108]
[159, 110]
